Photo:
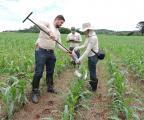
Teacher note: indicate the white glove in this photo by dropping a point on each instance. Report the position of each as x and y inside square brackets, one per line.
[76, 49]
[77, 73]
[77, 61]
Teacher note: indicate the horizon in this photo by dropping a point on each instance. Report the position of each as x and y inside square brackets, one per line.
[77, 28]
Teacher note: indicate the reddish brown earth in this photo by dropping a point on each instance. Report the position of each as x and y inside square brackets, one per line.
[50, 105]
[98, 103]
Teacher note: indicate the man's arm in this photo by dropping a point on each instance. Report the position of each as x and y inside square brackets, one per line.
[44, 26]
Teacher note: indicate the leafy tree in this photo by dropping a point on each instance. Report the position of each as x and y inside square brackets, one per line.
[35, 29]
[64, 30]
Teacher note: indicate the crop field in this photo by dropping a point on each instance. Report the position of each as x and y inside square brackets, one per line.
[120, 88]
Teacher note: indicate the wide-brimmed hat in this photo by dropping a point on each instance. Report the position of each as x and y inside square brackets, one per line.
[87, 26]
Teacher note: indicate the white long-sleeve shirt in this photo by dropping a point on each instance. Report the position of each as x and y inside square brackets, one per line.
[91, 43]
[74, 39]
[44, 40]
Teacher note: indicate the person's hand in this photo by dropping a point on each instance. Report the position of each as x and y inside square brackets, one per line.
[77, 61]
[76, 49]
[52, 35]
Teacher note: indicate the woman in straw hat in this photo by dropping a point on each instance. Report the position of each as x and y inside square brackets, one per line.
[91, 43]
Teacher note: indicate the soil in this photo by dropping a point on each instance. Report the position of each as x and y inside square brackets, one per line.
[50, 105]
[98, 103]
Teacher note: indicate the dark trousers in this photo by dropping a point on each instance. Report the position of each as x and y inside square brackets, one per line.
[92, 61]
[43, 57]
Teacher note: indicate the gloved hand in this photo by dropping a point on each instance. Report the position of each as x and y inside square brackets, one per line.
[77, 61]
[76, 49]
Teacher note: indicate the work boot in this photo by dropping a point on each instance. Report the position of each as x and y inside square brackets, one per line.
[35, 95]
[51, 90]
[94, 84]
[50, 85]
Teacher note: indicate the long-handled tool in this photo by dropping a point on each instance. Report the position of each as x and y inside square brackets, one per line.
[45, 32]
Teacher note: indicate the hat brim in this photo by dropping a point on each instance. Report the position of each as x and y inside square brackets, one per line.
[83, 30]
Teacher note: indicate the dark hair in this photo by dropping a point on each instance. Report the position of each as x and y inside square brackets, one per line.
[60, 17]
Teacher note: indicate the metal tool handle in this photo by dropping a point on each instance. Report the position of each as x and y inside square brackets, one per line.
[27, 17]
[43, 30]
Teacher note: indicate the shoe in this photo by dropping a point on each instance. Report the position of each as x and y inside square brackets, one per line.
[35, 96]
[93, 85]
[52, 90]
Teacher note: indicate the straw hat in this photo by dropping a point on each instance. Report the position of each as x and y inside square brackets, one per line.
[87, 26]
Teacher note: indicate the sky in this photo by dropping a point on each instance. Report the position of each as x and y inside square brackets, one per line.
[117, 15]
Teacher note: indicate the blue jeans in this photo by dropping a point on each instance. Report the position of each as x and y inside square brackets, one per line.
[92, 61]
[43, 57]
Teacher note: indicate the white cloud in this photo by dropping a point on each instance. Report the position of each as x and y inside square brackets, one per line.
[108, 14]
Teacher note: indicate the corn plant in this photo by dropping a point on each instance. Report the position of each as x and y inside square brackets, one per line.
[65, 114]
[129, 49]
[17, 60]
[117, 88]
[72, 100]
[13, 95]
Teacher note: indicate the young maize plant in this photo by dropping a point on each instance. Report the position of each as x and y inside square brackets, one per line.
[75, 95]
[120, 106]
[14, 95]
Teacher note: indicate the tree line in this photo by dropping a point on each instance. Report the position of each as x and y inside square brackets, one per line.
[63, 30]
[35, 29]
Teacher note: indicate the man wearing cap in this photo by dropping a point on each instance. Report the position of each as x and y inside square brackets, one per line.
[91, 43]
[44, 55]
[74, 39]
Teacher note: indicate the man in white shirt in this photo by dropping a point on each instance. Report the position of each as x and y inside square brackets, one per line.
[44, 55]
[74, 39]
[90, 44]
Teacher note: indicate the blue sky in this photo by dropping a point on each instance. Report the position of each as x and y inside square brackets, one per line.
[103, 14]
